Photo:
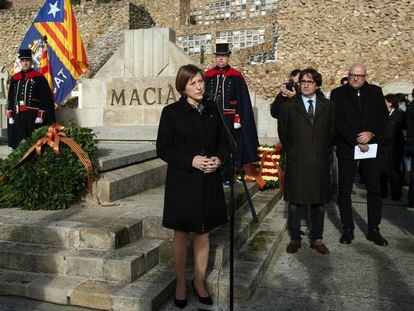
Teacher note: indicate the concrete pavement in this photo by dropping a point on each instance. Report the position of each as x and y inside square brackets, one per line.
[360, 276]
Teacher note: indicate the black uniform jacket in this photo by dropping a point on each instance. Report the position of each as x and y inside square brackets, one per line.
[307, 148]
[194, 201]
[230, 89]
[358, 113]
[31, 90]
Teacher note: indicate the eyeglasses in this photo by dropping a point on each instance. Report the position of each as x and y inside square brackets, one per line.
[307, 82]
[355, 76]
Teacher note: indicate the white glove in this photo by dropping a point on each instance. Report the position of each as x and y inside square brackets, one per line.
[11, 121]
[38, 120]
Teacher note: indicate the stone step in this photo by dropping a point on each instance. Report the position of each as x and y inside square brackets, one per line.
[263, 203]
[125, 264]
[104, 234]
[127, 133]
[130, 180]
[4, 149]
[147, 293]
[252, 260]
[113, 155]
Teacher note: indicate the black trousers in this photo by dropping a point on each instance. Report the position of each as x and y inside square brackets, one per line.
[24, 124]
[346, 173]
[391, 171]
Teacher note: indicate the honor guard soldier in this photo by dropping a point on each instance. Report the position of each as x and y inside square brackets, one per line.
[232, 96]
[28, 100]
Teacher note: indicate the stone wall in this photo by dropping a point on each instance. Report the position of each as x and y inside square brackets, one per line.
[329, 35]
[332, 34]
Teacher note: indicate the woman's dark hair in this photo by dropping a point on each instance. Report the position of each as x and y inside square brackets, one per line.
[316, 76]
[185, 73]
[393, 99]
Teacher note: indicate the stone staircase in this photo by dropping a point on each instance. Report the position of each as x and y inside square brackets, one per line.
[119, 257]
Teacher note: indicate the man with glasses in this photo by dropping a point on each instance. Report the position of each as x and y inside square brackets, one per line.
[305, 127]
[361, 116]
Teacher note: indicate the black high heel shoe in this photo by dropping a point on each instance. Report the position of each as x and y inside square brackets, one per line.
[180, 303]
[204, 300]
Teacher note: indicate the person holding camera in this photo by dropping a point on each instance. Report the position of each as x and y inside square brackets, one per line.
[191, 139]
[287, 91]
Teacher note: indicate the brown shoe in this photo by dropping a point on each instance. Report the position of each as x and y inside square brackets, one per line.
[320, 247]
[293, 247]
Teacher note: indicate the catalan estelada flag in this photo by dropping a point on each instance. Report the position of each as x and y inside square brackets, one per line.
[65, 52]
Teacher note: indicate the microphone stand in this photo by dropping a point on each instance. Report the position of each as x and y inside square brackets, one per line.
[234, 152]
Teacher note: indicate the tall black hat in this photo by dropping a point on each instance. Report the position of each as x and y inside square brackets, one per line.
[25, 54]
[222, 49]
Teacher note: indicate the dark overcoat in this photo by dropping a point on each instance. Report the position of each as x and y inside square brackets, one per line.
[393, 142]
[307, 148]
[358, 111]
[194, 201]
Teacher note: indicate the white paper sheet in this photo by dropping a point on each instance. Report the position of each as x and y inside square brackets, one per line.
[370, 154]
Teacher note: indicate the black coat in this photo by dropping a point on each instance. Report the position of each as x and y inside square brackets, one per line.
[409, 126]
[277, 104]
[307, 147]
[393, 141]
[193, 201]
[356, 114]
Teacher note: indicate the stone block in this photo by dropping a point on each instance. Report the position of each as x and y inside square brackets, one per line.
[125, 269]
[147, 293]
[50, 260]
[124, 182]
[54, 289]
[86, 263]
[151, 116]
[152, 228]
[116, 155]
[123, 116]
[15, 283]
[98, 238]
[127, 133]
[95, 294]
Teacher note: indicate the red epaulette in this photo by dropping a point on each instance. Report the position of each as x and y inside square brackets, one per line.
[231, 72]
[31, 74]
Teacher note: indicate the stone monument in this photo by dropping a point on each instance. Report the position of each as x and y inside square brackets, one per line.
[124, 100]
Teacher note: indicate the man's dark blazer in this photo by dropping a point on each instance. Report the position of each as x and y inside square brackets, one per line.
[355, 114]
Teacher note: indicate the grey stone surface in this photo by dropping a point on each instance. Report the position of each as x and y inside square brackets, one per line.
[133, 179]
[115, 155]
[127, 133]
[252, 259]
[148, 292]
[360, 276]
[55, 289]
[4, 150]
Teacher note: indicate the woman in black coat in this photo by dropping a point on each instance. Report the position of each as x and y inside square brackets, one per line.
[192, 141]
[392, 149]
